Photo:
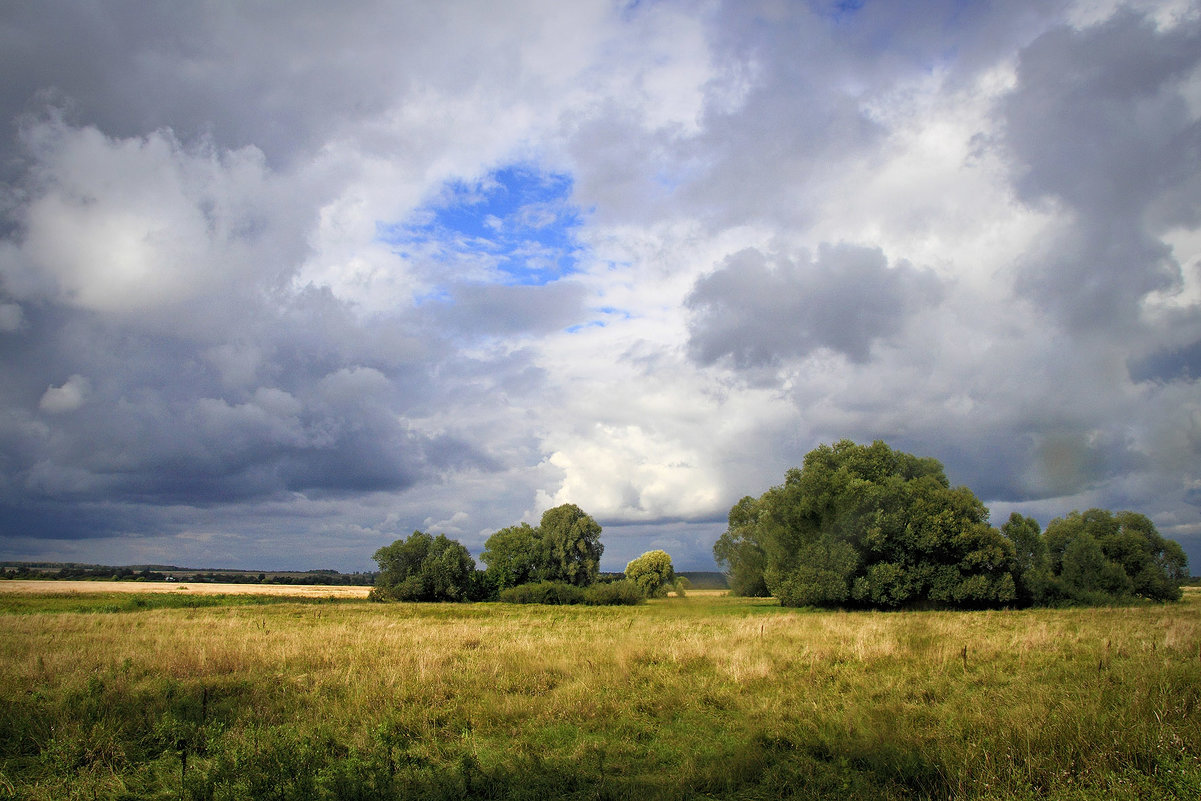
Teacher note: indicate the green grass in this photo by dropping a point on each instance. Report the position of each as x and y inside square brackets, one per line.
[111, 602]
[702, 697]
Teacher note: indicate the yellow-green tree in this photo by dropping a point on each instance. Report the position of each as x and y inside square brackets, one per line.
[653, 573]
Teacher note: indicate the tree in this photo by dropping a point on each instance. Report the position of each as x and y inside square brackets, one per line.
[739, 554]
[514, 555]
[867, 525]
[821, 575]
[653, 573]
[1097, 555]
[564, 547]
[423, 568]
[571, 543]
[1031, 561]
[1088, 575]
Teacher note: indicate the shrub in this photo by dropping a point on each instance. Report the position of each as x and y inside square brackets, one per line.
[543, 592]
[618, 593]
[424, 568]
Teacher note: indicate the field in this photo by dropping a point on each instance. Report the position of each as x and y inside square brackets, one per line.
[177, 694]
[58, 587]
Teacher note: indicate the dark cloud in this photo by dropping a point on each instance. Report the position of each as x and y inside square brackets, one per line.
[136, 419]
[283, 82]
[1168, 364]
[757, 311]
[1099, 124]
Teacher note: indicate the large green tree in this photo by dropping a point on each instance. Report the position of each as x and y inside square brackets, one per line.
[738, 551]
[1031, 560]
[424, 568]
[1099, 555]
[867, 525]
[514, 555]
[571, 539]
[565, 546]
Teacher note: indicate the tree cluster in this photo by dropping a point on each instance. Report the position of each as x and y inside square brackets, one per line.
[557, 562]
[424, 568]
[867, 526]
[1094, 557]
[565, 547]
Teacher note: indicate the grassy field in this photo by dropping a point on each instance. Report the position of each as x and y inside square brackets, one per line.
[179, 695]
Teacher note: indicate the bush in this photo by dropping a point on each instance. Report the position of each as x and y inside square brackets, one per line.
[618, 593]
[543, 592]
[424, 568]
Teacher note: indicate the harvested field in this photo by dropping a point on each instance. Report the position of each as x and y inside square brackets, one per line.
[46, 587]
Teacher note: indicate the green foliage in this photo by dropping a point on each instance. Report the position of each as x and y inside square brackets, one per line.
[739, 553]
[1098, 556]
[1031, 560]
[558, 593]
[564, 547]
[821, 577]
[653, 573]
[514, 555]
[424, 568]
[867, 525]
[572, 542]
[864, 525]
[615, 593]
[543, 592]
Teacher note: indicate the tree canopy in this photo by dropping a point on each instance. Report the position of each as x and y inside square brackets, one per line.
[1097, 554]
[514, 555]
[653, 573]
[564, 547]
[556, 562]
[573, 548]
[424, 568]
[865, 525]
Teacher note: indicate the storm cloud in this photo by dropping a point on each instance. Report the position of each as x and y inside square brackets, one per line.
[280, 285]
[757, 312]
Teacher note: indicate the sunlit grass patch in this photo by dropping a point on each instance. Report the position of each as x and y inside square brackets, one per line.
[702, 696]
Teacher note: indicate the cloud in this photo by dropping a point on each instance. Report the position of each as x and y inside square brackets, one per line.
[67, 398]
[253, 302]
[11, 317]
[757, 310]
[147, 229]
[627, 473]
[1100, 124]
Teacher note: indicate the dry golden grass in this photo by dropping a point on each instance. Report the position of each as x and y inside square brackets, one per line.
[705, 695]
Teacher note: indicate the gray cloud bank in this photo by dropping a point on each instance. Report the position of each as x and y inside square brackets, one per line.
[972, 232]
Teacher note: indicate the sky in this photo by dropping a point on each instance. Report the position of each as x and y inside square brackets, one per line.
[280, 284]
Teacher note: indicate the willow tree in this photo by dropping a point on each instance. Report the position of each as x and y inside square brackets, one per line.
[864, 525]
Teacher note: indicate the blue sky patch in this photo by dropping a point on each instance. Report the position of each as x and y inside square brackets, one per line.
[515, 226]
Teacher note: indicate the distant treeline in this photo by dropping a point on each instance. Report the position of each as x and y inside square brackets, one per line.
[77, 572]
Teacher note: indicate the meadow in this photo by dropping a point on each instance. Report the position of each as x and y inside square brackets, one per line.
[185, 695]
